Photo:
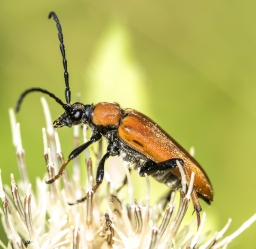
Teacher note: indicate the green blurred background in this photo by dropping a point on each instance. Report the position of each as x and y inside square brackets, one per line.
[189, 65]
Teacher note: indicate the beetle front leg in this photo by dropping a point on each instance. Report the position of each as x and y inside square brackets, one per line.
[94, 138]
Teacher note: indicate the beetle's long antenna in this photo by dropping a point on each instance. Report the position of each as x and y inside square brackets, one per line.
[62, 49]
[22, 96]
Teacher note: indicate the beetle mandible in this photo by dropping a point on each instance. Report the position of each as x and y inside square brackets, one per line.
[131, 135]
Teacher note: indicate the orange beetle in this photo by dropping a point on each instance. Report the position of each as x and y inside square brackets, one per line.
[131, 135]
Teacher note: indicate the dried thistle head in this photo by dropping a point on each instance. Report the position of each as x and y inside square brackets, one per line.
[44, 218]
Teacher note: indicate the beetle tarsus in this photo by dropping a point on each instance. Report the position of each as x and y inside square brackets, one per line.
[198, 217]
[60, 173]
[77, 201]
[50, 181]
[94, 188]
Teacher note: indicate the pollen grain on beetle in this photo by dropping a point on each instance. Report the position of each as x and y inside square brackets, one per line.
[70, 216]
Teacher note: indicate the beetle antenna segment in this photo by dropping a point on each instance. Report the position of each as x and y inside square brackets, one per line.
[63, 53]
[37, 89]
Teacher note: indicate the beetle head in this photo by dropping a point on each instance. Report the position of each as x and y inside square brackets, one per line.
[74, 114]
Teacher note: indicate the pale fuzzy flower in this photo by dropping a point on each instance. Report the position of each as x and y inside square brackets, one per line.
[44, 219]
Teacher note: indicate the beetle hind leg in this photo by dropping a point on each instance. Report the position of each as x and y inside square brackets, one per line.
[151, 167]
[158, 171]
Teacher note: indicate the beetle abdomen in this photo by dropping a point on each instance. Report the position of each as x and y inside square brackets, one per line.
[146, 137]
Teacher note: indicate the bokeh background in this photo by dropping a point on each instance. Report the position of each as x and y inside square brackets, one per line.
[189, 65]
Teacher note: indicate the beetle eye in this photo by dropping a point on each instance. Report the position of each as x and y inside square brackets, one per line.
[77, 115]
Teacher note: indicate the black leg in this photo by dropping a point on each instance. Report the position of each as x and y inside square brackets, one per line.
[99, 177]
[112, 150]
[151, 167]
[100, 169]
[94, 138]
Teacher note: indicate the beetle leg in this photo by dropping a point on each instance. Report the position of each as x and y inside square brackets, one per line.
[99, 178]
[197, 206]
[112, 150]
[100, 170]
[196, 203]
[151, 167]
[94, 138]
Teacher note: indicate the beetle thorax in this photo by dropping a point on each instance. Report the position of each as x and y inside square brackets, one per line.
[106, 114]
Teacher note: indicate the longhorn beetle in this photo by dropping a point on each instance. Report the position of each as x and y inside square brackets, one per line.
[131, 135]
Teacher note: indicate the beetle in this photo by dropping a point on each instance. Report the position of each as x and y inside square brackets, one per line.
[131, 135]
